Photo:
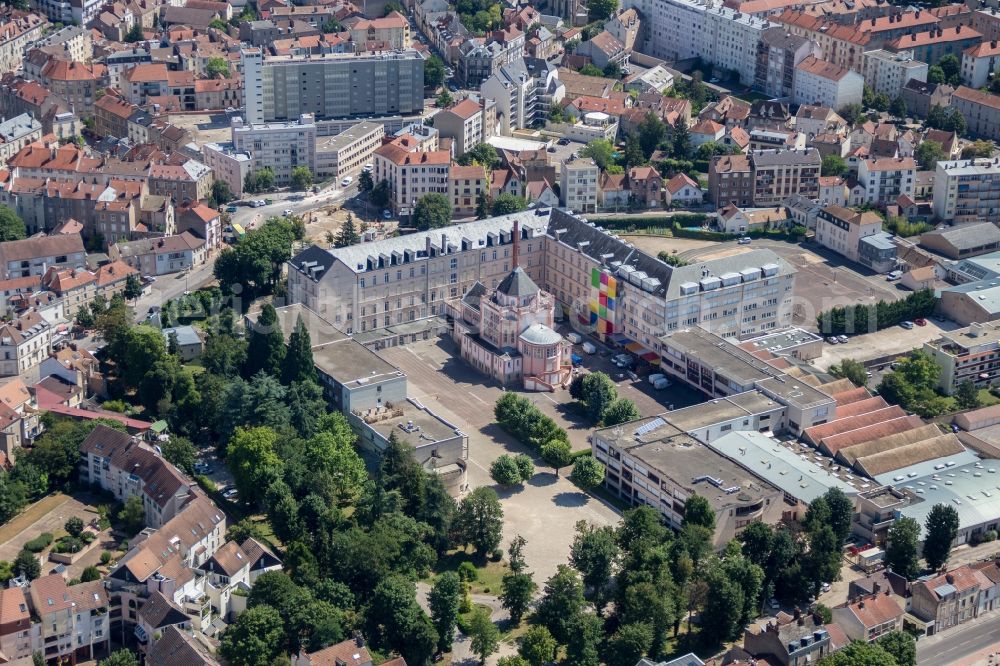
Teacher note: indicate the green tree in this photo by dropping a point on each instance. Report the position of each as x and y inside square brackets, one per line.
[221, 193]
[298, 364]
[485, 637]
[935, 74]
[587, 472]
[562, 602]
[901, 645]
[224, 355]
[26, 564]
[834, 165]
[433, 72]
[557, 453]
[74, 526]
[601, 151]
[133, 288]
[332, 25]
[253, 459]
[480, 520]
[967, 395]
[525, 465]
[507, 203]
[132, 516]
[537, 646]
[505, 471]
[255, 638]
[928, 153]
[302, 178]
[757, 539]
[652, 132]
[516, 592]
[901, 550]
[634, 155]
[841, 513]
[266, 346]
[594, 554]
[218, 24]
[122, 657]
[601, 10]
[180, 451]
[586, 634]
[482, 154]
[851, 369]
[134, 34]
[11, 226]
[628, 645]
[216, 68]
[952, 69]
[898, 108]
[348, 233]
[822, 562]
[859, 653]
[432, 211]
[599, 392]
[444, 100]
[940, 529]
[697, 511]
[621, 410]
[443, 601]
[720, 619]
[90, 574]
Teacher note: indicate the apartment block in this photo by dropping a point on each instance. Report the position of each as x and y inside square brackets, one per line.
[479, 59]
[332, 85]
[967, 190]
[348, 152]
[950, 599]
[885, 179]
[981, 111]
[730, 181]
[778, 53]
[579, 184]
[523, 92]
[228, 164]
[466, 186]
[34, 256]
[411, 175]
[18, 31]
[970, 354]
[467, 124]
[979, 62]
[843, 45]
[824, 83]
[725, 37]
[936, 43]
[281, 146]
[779, 174]
[888, 71]
[25, 342]
[841, 229]
[392, 31]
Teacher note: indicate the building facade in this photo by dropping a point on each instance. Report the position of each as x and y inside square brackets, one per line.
[967, 190]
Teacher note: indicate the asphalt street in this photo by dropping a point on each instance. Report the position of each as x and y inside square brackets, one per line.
[960, 642]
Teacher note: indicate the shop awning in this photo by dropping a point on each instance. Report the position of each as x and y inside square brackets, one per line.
[635, 348]
[619, 338]
[651, 357]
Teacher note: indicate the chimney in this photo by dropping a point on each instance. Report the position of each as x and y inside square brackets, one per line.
[861, 604]
[875, 588]
[517, 239]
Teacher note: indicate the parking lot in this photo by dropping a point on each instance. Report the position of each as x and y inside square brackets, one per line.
[824, 279]
[892, 340]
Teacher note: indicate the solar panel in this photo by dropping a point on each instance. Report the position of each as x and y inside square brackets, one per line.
[649, 427]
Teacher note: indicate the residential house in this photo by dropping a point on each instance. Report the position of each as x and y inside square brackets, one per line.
[203, 222]
[682, 190]
[948, 600]
[24, 343]
[34, 256]
[921, 97]
[613, 190]
[579, 185]
[869, 618]
[886, 179]
[730, 180]
[841, 230]
[789, 640]
[646, 184]
[604, 49]
[467, 186]
[411, 175]
[466, 124]
[161, 256]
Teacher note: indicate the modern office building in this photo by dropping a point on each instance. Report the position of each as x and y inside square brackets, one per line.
[523, 92]
[968, 354]
[348, 152]
[332, 85]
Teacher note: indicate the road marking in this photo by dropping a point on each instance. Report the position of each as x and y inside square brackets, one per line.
[478, 398]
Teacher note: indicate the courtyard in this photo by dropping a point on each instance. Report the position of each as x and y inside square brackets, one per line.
[545, 510]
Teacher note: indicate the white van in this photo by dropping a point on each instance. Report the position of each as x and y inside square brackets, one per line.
[656, 377]
[589, 347]
[575, 338]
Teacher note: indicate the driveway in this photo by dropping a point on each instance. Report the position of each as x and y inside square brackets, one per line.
[892, 340]
[545, 510]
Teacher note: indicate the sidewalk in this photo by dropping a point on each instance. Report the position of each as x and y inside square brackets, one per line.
[989, 656]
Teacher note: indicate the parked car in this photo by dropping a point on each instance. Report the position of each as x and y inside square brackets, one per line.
[842, 339]
[745, 240]
[575, 338]
[386, 214]
[893, 276]
[920, 321]
[231, 494]
[230, 208]
[588, 347]
[661, 384]
[286, 212]
[652, 378]
[906, 324]
[832, 340]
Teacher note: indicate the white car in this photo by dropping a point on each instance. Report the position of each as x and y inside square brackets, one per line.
[386, 214]
[347, 181]
[286, 212]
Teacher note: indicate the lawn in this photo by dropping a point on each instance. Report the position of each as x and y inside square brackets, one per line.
[488, 575]
[31, 515]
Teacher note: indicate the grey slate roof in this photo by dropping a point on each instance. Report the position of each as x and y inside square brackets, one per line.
[540, 334]
[966, 236]
[474, 295]
[517, 283]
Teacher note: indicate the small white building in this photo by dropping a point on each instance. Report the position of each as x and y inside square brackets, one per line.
[579, 185]
[979, 62]
[682, 190]
[887, 71]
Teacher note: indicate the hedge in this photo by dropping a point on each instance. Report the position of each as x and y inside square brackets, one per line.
[855, 319]
[39, 543]
[523, 420]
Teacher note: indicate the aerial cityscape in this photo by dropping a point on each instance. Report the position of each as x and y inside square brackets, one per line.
[577, 333]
